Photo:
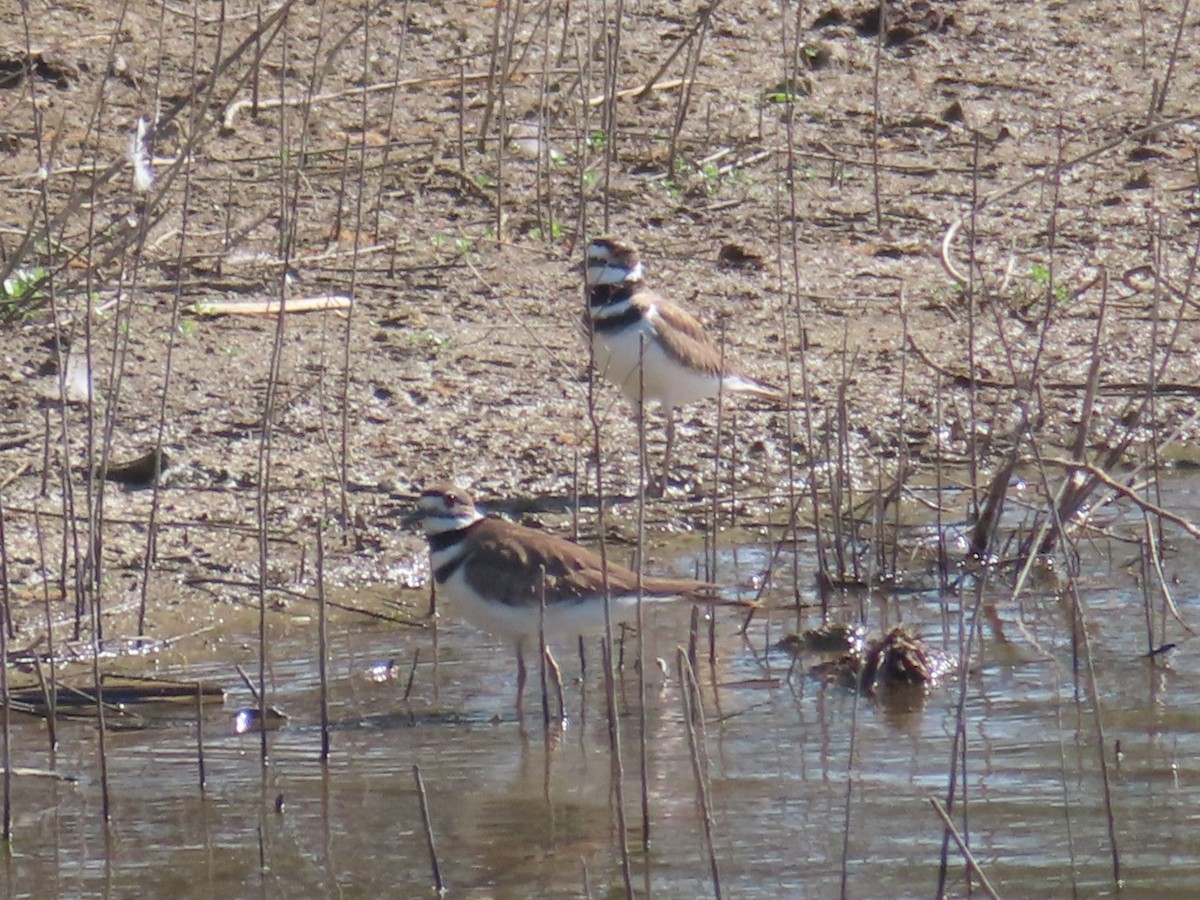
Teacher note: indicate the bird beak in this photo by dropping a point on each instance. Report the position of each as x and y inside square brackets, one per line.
[411, 519]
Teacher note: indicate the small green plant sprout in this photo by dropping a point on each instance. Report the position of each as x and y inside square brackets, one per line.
[22, 293]
[553, 233]
[452, 244]
[714, 175]
[790, 90]
[1040, 275]
[426, 339]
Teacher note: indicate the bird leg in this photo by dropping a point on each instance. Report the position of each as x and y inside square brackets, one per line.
[666, 470]
[556, 677]
[652, 489]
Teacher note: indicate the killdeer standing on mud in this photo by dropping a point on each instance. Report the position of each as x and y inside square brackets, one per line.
[632, 327]
[491, 571]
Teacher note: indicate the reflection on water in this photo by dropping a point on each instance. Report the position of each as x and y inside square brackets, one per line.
[807, 780]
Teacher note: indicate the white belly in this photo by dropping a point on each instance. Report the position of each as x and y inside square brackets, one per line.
[564, 619]
[666, 380]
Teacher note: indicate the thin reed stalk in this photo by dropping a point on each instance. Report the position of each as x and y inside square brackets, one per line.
[322, 642]
[360, 190]
[643, 754]
[5, 724]
[1173, 58]
[202, 778]
[50, 699]
[412, 674]
[612, 78]
[963, 848]
[614, 720]
[877, 113]
[426, 823]
[972, 300]
[176, 304]
[851, 756]
[693, 717]
[542, 647]
[788, 242]
[101, 728]
[967, 628]
[1061, 729]
[1098, 723]
[1085, 662]
[715, 500]
[695, 44]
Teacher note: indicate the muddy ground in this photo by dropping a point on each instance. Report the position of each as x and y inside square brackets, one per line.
[803, 220]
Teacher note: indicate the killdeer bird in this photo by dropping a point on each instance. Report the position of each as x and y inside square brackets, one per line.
[491, 571]
[633, 328]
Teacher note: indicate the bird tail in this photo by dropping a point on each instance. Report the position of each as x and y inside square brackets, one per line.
[742, 385]
[696, 591]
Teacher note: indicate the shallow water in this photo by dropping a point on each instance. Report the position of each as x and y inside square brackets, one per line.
[807, 780]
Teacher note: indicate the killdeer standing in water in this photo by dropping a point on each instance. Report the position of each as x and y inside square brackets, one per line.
[632, 327]
[491, 572]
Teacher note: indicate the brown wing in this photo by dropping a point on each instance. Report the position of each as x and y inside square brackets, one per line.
[683, 337]
[511, 557]
[687, 342]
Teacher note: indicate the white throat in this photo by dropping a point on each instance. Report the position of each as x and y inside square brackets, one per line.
[445, 521]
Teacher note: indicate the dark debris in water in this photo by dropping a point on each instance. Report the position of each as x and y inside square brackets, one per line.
[898, 658]
[902, 658]
[1160, 650]
[124, 697]
[832, 637]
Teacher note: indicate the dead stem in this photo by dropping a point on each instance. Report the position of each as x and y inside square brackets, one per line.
[693, 717]
[614, 720]
[963, 847]
[695, 44]
[322, 643]
[412, 674]
[201, 777]
[1098, 721]
[5, 724]
[438, 885]
[957, 777]
[643, 727]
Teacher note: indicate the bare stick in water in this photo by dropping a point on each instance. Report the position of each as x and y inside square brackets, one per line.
[5, 758]
[542, 645]
[963, 848]
[433, 861]
[200, 734]
[322, 644]
[693, 714]
[412, 674]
